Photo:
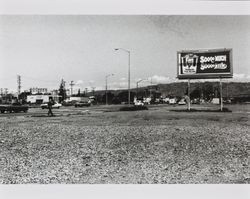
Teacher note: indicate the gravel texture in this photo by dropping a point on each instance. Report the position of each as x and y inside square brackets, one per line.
[101, 146]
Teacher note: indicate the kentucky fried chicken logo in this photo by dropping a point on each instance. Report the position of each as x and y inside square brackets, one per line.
[189, 64]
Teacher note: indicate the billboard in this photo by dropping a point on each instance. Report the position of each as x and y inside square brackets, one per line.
[204, 64]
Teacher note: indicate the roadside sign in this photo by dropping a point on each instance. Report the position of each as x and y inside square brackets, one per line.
[204, 64]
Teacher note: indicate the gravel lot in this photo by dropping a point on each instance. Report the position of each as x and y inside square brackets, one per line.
[102, 145]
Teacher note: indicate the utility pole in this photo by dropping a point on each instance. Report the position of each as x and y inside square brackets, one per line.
[6, 91]
[93, 91]
[64, 89]
[137, 83]
[71, 87]
[86, 91]
[106, 82]
[18, 85]
[151, 82]
[150, 88]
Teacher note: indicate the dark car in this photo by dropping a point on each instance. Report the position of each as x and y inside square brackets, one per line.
[82, 103]
[69, 103]
[15, 107]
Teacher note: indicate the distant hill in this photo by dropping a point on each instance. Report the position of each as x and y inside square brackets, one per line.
[229, 89]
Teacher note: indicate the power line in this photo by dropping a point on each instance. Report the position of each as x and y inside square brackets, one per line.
[41, 80]
[8, 78]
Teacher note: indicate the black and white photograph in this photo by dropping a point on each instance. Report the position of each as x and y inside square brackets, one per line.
[124, 99]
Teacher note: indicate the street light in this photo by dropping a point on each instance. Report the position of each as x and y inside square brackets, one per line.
[106, 78]
[128, 71]
[137, 86]
[151, 82]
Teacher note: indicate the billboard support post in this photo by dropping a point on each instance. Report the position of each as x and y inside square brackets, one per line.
[221, 99]
[189, 94]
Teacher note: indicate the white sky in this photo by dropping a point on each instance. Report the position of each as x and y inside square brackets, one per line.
[45, 49]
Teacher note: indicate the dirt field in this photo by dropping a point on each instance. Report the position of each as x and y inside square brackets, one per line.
[102, 145]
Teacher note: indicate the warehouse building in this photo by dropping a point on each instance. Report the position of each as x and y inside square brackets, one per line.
[39, 99]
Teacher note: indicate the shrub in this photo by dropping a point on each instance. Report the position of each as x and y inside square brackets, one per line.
[133, 108]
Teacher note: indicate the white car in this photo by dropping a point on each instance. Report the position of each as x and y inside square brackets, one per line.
[172, 101]
[56, 105]
[182, 102]
[139, 103]
[147, 100]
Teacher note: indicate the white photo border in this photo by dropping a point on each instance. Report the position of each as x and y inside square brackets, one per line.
[124, 7]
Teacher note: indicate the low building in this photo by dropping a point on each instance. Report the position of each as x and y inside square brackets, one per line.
[39, 99]
[38, 90]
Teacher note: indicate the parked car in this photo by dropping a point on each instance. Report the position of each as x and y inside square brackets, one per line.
[83, 103]
[139, 103]
[56, 105]
[182, 102]
[166, 100]
[158, 100]
[15, 107]
[147, 100]
[228, 101]
[195, 101]
[69, 103]
[172, 101]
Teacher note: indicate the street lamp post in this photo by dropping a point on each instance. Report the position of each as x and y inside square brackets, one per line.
[128, 71]
[150, 90]
[137, 83]
[106, 79]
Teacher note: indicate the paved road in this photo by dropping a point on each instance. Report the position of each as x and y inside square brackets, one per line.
[245, 108]
[43, 112]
